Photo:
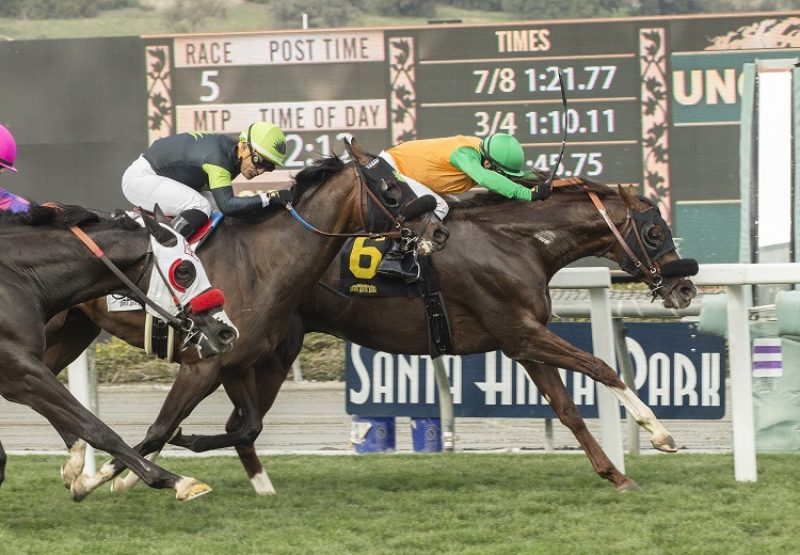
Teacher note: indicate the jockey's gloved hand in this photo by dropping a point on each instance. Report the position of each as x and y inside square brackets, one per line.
[280, 197]
[541, 191]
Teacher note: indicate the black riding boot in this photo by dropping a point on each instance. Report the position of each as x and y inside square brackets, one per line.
[399, 263]
[188, 221]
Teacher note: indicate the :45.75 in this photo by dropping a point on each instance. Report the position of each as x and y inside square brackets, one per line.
[575, 163]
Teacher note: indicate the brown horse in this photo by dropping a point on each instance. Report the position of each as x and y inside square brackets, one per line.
[494, 276]
[46, 269]
[267, 268]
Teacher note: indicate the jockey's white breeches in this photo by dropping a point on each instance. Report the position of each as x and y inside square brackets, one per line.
[419, 189]
[143, 187]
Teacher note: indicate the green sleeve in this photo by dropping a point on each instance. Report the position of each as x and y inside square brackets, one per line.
[217, 176]
[468, 160]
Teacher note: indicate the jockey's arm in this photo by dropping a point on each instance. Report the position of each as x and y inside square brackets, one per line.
[219, 181]
[468, 160]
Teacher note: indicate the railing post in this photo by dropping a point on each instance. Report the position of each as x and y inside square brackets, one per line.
[739, 348]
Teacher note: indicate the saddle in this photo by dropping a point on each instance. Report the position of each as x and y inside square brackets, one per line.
[359, 260]
[198, 237]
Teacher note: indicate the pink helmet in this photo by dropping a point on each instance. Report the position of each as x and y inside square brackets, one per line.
[8, 149]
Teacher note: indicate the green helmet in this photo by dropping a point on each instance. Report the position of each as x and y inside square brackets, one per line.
[266, 139]
[505, 154]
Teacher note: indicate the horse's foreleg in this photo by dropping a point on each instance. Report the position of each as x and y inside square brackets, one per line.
[550, 385]
[257, 385]
[192, 384]
[33, 384]
[545, 346]
[76, 459]
[243, 426]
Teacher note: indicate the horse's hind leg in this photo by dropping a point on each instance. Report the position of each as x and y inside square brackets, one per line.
[550, 385]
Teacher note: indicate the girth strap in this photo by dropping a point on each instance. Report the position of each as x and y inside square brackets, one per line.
[440, 340]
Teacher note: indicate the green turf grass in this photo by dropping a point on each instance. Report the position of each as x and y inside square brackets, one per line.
[462, 503]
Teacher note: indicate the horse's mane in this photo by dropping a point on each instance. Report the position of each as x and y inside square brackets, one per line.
[315, 173]
[59, 215]
[490, 198]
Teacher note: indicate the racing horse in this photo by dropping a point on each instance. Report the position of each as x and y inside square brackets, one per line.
[494, 276]
[46, 269]
[267, 267]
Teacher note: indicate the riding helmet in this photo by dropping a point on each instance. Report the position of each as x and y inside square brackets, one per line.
[504, 152]
[267, 139]
[8, 149]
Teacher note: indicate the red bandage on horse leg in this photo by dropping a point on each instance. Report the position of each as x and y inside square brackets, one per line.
[207, 300]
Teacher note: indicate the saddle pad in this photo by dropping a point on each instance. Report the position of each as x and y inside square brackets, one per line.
[359, 260]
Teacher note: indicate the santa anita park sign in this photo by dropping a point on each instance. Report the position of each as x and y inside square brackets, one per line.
[678, 372]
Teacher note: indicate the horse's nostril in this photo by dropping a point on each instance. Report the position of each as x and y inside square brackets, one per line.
[688, 291]
[227, 336]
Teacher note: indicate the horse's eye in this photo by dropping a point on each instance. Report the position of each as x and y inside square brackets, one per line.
[652, 235]
[183, 274]
[390, 193]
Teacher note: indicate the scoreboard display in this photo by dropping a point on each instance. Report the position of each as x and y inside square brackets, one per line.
[652, 101]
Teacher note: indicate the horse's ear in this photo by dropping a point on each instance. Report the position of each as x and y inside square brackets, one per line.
[153, 226]
[159, 214]
[358, 152]
[626, 194]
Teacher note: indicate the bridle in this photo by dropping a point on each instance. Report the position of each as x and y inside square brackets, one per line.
[398, 230]
[644, 266]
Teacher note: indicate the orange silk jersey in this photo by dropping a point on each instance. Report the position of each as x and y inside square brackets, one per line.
[428, 161]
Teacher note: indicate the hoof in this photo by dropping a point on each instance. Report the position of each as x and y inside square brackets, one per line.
[189, 488]
[78, 489]
[65, 479]
[664, 442]
[120, 484]
[629, 487]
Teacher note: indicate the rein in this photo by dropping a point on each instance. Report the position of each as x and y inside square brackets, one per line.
[181, 324]
[399, 232]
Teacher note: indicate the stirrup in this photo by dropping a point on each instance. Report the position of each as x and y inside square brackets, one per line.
[392, 267]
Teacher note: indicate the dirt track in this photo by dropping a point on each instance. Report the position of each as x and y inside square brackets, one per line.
[311, 417]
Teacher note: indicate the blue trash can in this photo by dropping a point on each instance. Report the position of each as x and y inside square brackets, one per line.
[373, 434]
[426, 434]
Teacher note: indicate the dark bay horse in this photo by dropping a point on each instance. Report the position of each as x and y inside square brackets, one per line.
[267, 269]
[46, 269]
[494, 275]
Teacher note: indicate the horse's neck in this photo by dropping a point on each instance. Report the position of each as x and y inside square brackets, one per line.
[282, 256]
[556, 234]
[74, 274]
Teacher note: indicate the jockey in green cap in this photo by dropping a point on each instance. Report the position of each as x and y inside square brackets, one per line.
[453, 165]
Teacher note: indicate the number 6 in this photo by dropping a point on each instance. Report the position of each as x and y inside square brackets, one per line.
[213, 88]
